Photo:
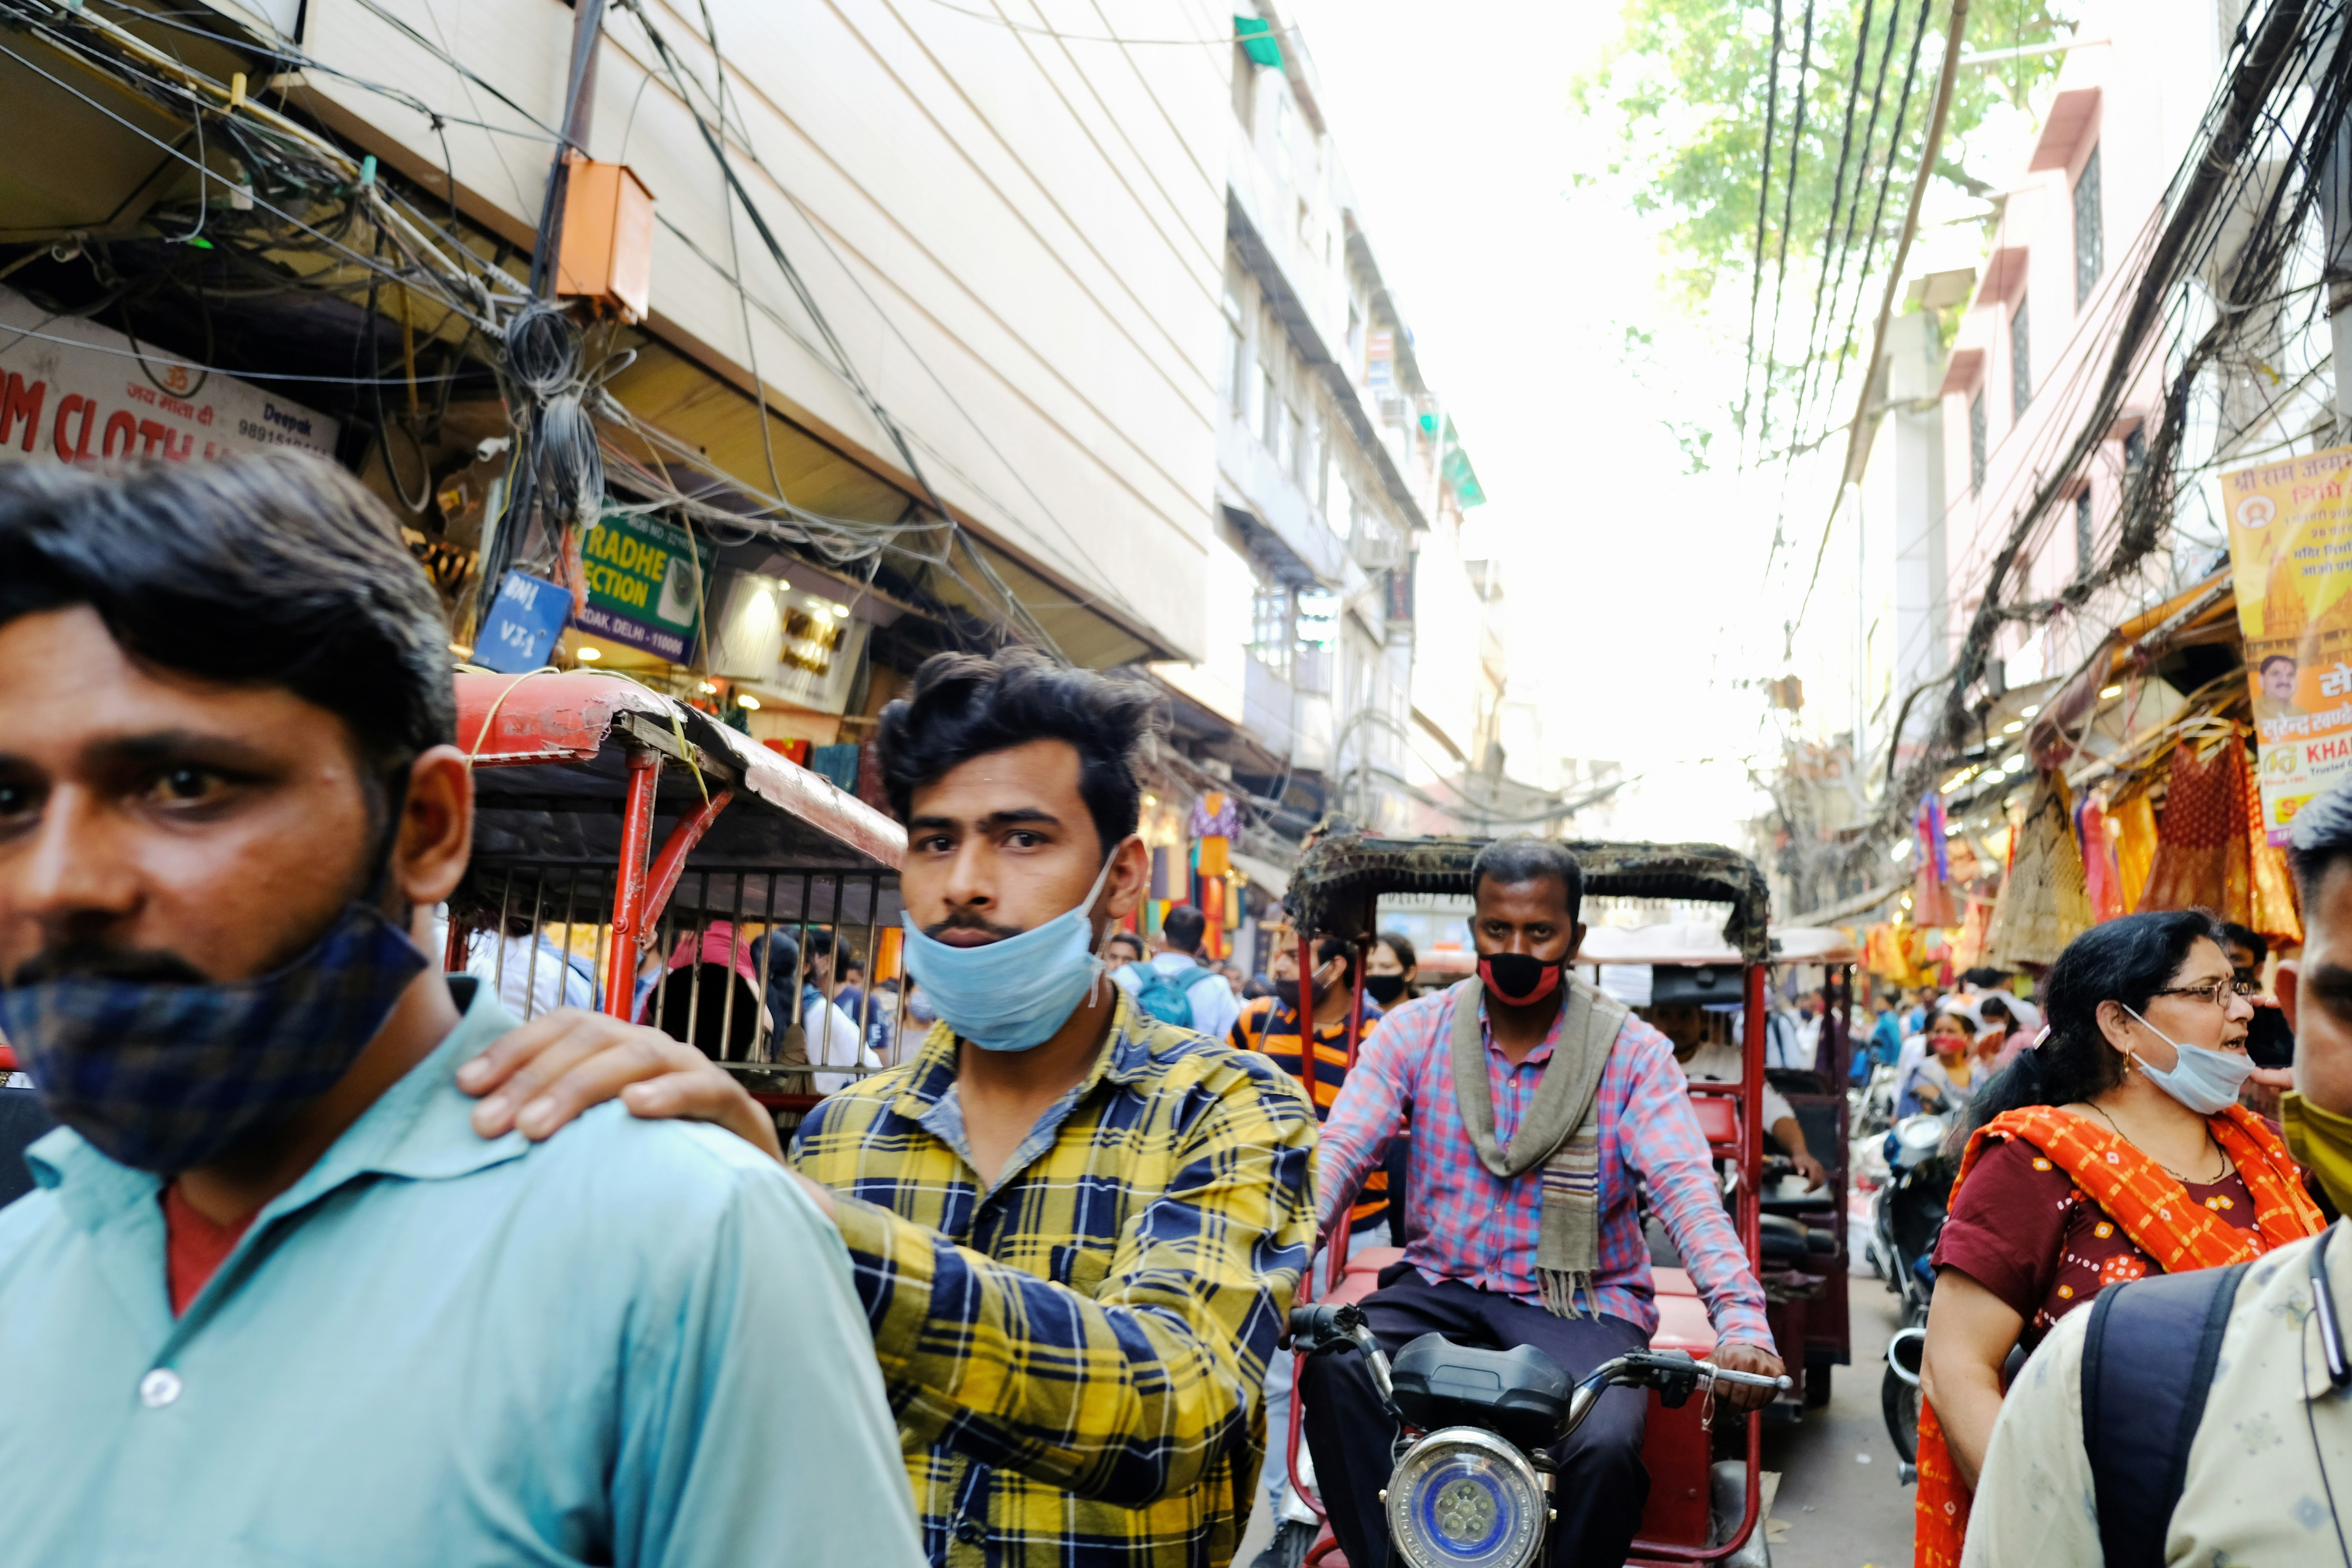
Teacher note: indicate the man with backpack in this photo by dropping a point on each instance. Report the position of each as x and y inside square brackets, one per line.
[2203, 1416]
[1176, 987]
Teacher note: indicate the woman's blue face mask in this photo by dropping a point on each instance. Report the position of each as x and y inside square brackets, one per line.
[1012, 994]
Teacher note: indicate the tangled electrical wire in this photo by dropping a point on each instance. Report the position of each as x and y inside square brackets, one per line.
[2208, 274]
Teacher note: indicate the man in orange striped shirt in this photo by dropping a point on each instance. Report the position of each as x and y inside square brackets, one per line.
[1269, 1025]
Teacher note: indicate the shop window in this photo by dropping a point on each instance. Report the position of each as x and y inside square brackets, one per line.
[2082, 532]
[1977, 443]
[2090, 252]
[2021, 359]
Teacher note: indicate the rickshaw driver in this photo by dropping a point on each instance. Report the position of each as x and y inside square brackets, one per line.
[273, 1298]
[1077, 1228]
[1551, 1254]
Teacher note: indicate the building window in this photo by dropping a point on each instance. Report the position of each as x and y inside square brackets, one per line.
[1245, 91]
[1270, 416]
[2090, 253]
[1237, 370]
[2021, 360]
[1293, 446]
[2082, 532]
[1272, 628]
[2134, 448]
[1977, 443]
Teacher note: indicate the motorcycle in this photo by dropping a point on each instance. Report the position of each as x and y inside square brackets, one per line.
[1473, 1472]
[1906, 1219]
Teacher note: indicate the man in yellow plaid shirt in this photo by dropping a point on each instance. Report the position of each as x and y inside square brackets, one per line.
[1075, 1229]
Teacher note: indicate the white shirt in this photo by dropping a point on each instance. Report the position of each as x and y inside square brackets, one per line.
[1718, 1063]
[2255, 1491]
[521, 992]
[1215, 1008]
[833, 1041]
[1782, 1046]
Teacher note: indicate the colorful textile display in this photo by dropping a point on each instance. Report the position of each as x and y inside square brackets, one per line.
[1170, 876]
[2269, 889]
[1931, 900]
[2044, 904]
[1976, 931]
[2134, 833]
[2102, 880]
[2202, 860]
[1215, 818]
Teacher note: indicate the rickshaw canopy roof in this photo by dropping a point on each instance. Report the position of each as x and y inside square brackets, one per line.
[550, 750]
[1700, 943]
[1342, 877]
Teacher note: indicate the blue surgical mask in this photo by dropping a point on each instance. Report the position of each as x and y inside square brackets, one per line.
[2205, 1080]
[1010, 996]
[164, 1077]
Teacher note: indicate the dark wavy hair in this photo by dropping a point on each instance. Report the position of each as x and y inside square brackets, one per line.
[266, 569]
[2127, 961]
[1396, 941]
[964, 706]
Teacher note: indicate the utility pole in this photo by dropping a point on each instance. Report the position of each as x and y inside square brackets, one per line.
[579, 106]
[2336, 214]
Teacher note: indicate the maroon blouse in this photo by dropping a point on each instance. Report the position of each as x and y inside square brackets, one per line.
[2020, 1228]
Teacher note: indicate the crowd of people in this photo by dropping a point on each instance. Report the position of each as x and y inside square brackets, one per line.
[331, 1258]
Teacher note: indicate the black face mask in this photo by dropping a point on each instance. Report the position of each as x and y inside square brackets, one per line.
[1286, 992]
[1384, 988]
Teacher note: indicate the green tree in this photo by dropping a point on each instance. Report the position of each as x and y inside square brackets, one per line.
[1690, 82]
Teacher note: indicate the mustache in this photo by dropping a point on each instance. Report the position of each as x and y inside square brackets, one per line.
[965, 920]
[99, 961]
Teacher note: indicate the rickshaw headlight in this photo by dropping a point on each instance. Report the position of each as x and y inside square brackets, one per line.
[1917, 1137]
[1462, 1498]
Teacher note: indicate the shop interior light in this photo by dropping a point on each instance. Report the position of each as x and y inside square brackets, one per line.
[2111, 691]
[2015, 764]
[2029, 713]
[1901, 851]
[591, 655]
[461, 650]
[745, 699]
[708, 690]
[841, 612]
[2013, 727]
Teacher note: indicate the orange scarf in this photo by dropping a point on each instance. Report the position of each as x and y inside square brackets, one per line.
[2162, 1219]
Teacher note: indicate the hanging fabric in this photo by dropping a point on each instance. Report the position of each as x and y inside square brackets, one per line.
[1931, 900]
[2102, 878]
[2044, 905]
[2269, 889]
[2134, 821]
[2202, 860]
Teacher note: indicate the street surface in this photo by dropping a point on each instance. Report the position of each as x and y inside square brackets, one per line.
[1834, 1511]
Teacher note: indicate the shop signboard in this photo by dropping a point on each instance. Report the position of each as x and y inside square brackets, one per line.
[525, 619]
[645, 584]
[79, 392]
[2291, 559]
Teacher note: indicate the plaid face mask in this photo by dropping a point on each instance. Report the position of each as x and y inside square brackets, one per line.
[165, 1077]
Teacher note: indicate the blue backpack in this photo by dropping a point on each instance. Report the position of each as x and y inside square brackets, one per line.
[1163, 992]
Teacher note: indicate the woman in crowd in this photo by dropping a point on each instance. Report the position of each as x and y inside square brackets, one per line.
[1944, 1075]
[2114, 1149]
[1392, 970]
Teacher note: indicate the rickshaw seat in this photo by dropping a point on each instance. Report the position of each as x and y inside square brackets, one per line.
[1363, 1275]
[1682, 1316]
[1715, 1118]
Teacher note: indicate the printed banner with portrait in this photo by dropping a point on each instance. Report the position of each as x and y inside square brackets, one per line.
[2291, 558]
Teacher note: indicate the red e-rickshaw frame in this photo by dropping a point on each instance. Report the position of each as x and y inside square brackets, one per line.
[1337, 890]
[606, 754]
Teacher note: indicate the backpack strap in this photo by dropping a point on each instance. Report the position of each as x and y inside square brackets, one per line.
[2142, 1400]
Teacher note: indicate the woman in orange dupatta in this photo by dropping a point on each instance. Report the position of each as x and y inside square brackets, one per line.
[2113, 1149]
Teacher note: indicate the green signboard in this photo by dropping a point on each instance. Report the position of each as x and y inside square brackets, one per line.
[647, 581]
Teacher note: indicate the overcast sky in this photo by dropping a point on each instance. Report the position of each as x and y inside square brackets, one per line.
[1633, 587]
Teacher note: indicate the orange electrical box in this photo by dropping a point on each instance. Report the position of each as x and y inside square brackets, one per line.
[607, 254]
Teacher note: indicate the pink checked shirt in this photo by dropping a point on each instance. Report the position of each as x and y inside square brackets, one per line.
[1464, 1223]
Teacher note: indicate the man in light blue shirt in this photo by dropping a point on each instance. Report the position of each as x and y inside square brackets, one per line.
[274, 1301]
